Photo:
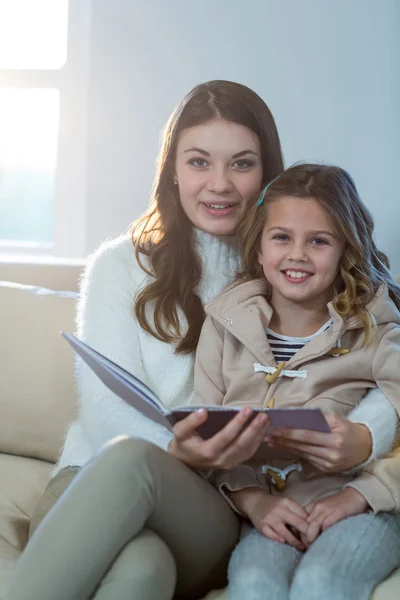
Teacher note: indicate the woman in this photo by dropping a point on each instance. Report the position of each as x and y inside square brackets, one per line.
[137, 522]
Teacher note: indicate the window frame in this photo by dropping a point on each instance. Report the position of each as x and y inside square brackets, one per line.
[72, 82]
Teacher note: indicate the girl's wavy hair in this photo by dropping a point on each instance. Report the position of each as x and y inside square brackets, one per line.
[362, 268]
[164, 234]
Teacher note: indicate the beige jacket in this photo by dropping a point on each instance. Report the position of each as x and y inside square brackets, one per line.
[233, 340]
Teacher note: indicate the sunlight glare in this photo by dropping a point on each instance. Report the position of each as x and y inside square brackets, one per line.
[28, 129]
[33, 34]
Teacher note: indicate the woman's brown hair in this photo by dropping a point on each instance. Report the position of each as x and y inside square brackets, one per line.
[362, 268]
[164, 234]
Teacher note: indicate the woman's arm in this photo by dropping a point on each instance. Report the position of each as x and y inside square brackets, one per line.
[106, 321]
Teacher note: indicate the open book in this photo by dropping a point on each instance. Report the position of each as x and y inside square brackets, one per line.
[142, 398]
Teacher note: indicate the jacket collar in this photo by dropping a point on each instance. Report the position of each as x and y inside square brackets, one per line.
[244, 311]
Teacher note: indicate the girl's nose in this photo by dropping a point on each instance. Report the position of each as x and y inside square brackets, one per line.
[297, 253]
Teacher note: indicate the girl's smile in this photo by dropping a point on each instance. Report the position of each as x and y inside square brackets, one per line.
[300, 251]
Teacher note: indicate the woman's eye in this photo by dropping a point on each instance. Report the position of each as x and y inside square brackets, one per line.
[243, 164]
[200, 163]
[281, 237]
[319, 242]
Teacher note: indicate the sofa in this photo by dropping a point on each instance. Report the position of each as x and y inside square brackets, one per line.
[38, 397]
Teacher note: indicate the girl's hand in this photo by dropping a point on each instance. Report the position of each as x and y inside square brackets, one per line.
[325, 513]
[348, 445]
[234, 444]
[274, 517]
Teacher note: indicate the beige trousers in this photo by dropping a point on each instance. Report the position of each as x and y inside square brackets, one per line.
[133, 524]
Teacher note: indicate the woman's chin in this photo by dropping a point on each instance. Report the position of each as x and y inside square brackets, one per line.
[217, 226]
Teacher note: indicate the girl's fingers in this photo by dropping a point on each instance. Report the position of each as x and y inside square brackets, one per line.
[284, 532]
[268, 532]
[297, 522]
[331, 520]
[296, 509]
[313, 532]
[319, 463]
[301, 449]
[309, 508]
[305, 436]
[186, 428]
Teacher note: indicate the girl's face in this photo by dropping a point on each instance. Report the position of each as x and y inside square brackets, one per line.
[300, 251]
[218, 170]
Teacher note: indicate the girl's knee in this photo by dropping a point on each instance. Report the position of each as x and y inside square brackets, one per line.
[313, 580]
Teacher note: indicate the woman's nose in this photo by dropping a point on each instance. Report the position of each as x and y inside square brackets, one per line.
[219, 182]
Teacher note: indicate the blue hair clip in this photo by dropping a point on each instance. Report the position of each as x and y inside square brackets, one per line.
[261, 198]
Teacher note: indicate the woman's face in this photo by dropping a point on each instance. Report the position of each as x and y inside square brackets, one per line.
[218, 171]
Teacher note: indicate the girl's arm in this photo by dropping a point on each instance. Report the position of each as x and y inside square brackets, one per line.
[368, 433]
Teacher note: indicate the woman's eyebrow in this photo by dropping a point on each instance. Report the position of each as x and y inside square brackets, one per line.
[237, 155]
[243, 152]
[199, 150]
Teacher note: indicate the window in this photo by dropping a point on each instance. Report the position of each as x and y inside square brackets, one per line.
[43, 52]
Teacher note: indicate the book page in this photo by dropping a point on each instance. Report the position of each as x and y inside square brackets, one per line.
[121, 382]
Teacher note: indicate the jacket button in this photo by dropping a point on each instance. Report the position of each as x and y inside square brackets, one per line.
[271, 403]
[271, 377]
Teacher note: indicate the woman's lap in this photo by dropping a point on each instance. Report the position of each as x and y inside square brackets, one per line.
[131, 485]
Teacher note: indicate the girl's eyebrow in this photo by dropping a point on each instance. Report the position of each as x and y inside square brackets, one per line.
[205, 153]
[287, 230]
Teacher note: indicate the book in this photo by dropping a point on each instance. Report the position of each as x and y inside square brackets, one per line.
[142, 398]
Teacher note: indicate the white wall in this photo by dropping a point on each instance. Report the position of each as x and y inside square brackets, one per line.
[329, 70]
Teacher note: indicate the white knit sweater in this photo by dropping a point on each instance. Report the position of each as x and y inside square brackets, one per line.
[106, 321]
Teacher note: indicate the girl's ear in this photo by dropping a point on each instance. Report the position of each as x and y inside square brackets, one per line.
[260, 257]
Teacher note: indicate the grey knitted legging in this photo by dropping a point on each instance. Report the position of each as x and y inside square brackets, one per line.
[346, 561]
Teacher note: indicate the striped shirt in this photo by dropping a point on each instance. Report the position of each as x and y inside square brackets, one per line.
[283, 347]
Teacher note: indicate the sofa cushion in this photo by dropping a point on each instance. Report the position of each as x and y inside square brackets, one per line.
[22, 482]
[37, 390]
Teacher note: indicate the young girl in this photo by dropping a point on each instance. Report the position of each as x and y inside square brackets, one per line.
[314, 322]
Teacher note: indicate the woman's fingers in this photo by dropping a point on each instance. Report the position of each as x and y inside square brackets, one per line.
[250, 439]
[234, 442]
[186, 428]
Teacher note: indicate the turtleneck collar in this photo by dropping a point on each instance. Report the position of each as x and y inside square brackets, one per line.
[220, 259]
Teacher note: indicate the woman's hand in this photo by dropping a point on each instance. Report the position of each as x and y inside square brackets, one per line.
[348, 445]
[234, 444]
[274, 517]
[328, 511]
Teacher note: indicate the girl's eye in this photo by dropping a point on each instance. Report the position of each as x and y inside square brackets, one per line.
[200, 163]
[319, 242]
[281, 237]
[243, 164]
